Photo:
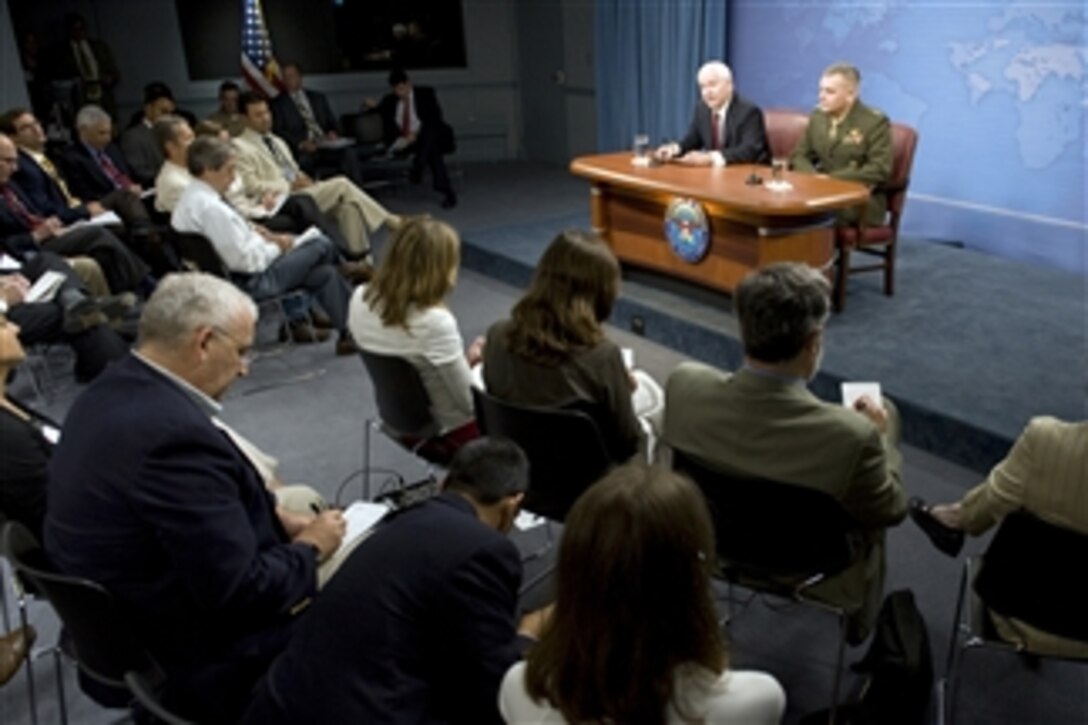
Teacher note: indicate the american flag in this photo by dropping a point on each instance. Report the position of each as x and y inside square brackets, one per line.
[259, 66]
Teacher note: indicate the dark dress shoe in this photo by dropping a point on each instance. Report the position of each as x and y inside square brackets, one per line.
[321, 320]
[345, 345]
[450, 201]
[14, 648]
[303, 333]
[357, 273]
[948, 540]
[82, 316]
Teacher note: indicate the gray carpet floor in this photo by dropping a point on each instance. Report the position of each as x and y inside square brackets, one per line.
[308, 408]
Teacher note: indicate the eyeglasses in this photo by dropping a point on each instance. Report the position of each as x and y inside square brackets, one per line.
[244, 352]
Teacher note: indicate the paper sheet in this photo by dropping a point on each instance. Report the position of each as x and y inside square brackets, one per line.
[852, 391]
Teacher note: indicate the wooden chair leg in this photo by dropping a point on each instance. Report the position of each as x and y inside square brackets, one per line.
[889, 267]
[842, 271]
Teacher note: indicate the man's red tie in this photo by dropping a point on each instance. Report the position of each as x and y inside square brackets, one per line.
[118, 177]
[16, 205]
[406, 117]
[715, 123]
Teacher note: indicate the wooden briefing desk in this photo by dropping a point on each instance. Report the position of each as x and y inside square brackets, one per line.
[750, 226]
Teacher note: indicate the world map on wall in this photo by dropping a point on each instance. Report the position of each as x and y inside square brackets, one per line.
[998, 90]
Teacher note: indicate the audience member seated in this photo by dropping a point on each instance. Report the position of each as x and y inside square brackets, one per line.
[228, 115]
[762, 422]
[293, 213]
[265, 264]
[419, 624]
[71, 316]
[1045, 473]
[403, 313]
[413, 124]
[96, 171]
[266, 166]
[847, 139]
[304, 119]
[28, 439]
[176, 523]
[553, 350]
[37, 176]
[141, 152]
[634, 635]
[25, 231]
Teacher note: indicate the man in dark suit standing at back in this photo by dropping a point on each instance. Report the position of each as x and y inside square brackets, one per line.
[725, 128]
[418, 626]
[413, 123]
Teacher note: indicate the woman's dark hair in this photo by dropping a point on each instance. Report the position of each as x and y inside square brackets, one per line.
[633, 601]
[572, 293]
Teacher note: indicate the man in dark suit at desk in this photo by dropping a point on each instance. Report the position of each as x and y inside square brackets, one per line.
[418, 626]
[413, 123]
[176, 522]
[725, 128]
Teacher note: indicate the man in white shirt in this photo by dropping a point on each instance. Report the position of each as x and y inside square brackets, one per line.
[263, 263]
[266, 165]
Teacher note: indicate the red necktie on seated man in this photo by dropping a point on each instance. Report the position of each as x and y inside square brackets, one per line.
[27, 217]
[715, 133]
[406, 117]
[118, 177]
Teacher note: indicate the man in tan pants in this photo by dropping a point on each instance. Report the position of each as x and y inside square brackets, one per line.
[269, 170]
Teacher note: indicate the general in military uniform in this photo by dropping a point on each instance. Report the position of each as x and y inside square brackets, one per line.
[848, 140]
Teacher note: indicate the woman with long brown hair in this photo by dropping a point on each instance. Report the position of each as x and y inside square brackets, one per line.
[403, 312]
[634, 635]
[553, 350]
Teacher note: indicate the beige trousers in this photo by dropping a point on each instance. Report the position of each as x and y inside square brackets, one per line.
[91, 275]
[357, 214]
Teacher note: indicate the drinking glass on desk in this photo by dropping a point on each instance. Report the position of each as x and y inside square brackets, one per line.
[642, 146]
[778, 168]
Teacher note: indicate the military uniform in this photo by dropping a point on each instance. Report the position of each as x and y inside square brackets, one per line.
[858, 148]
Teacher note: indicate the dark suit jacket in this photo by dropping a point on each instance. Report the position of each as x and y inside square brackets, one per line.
[86, 179]
[44, 193]
[744, 140]
[15, 236]
[142, 153]
[287, 122]
[430, 117]
[416, 627]
[177, 524]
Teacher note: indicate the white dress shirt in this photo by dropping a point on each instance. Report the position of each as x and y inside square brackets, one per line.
[203, 211]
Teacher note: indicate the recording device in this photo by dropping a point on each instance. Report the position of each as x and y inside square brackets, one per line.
[753, 179]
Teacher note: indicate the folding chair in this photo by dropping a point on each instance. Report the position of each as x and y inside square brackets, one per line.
[1024, 575]
[105, 648]
[777, 539]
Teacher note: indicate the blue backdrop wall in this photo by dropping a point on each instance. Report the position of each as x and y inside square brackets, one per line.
[997, 90]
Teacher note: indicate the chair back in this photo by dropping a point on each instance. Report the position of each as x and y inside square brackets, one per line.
[768, 529]
[566, 451]
[784, 130]
[104, 644]
[1026, 574]
[904, 143]
[403, 403]
[198, 250]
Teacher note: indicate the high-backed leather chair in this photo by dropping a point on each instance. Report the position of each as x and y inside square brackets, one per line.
[880, 241]
[784, 130]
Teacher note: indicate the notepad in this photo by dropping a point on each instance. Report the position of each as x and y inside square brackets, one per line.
[45, 287]
[309, 235]
[852, 391]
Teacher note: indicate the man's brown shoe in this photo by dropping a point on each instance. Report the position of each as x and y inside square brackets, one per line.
[357, 272]
[302, 333]
[14, 648]
[320, 319]
[345, 345]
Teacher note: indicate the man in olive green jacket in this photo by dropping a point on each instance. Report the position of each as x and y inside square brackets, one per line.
[848, 140]
[762, 422]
